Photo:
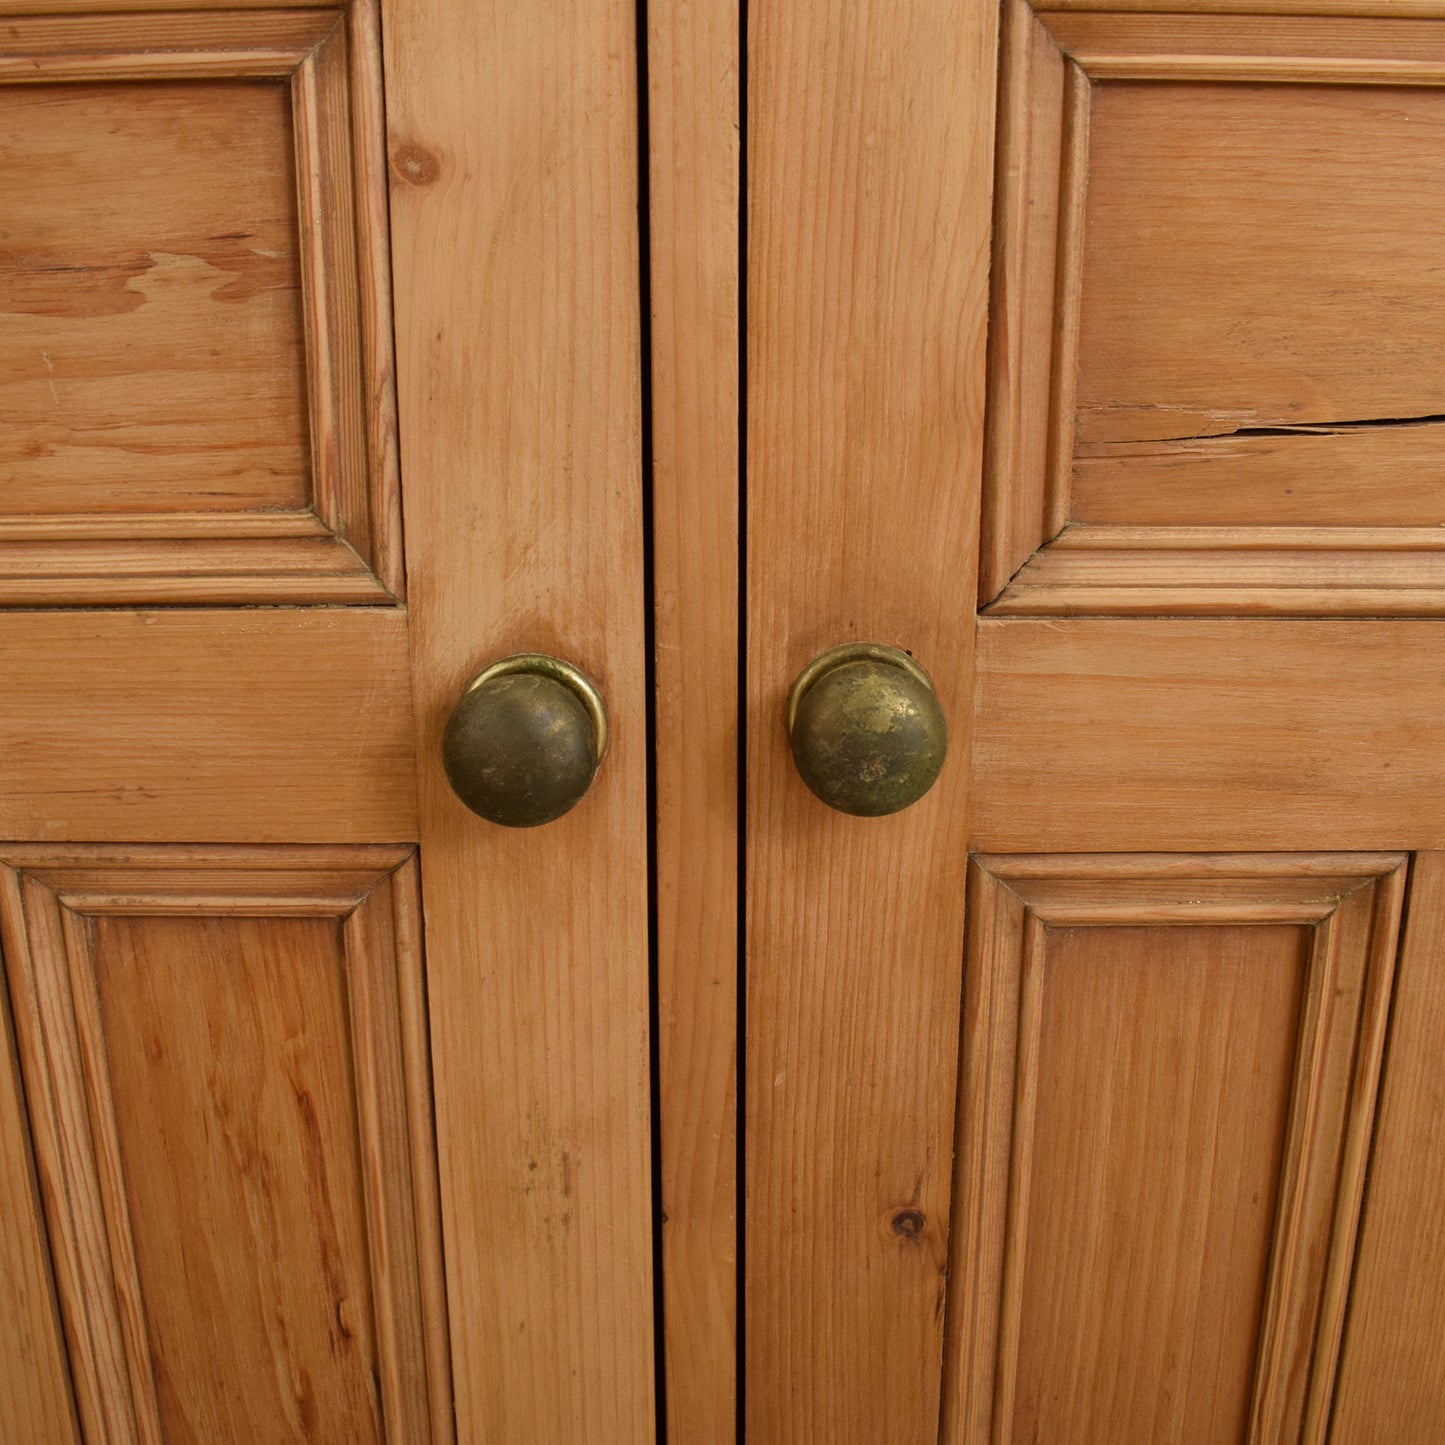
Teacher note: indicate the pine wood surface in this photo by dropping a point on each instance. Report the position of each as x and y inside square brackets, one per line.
[1207, 734]
[1169, 1081]
[36, 1406]
[868, 176]
[153, 272]
[513, 146]
[197, 356]
[278, 725]
[232, 1127]
[694, 173]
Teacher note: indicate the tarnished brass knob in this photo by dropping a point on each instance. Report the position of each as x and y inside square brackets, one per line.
[867, 732]
[524, 742]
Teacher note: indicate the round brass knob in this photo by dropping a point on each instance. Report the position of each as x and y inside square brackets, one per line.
[867, 732]
[525, 741]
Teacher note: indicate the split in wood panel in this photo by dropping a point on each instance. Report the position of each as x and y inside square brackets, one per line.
[1214, 378]
[225, 1054]
[1169, 1074]
[195, 362]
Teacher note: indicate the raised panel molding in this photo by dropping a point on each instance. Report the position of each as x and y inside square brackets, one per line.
[1166, 1057]
[200, 396]
[225, 1058]
[1210, 512]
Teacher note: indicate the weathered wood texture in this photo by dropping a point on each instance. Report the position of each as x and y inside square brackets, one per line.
[1169, 1081]
[270, 725]
[1392, 1378]
[694, 174]
[513, 145]
[230, 1109]
[868, 174]
[195, 362]
[1208, 734]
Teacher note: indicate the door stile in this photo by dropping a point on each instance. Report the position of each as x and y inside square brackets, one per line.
[512, 133]
[869, 177]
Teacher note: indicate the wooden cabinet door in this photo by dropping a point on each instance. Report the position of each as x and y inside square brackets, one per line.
[1093, 356]
[323, 1103]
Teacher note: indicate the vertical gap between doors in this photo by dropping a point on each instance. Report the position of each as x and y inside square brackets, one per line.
[649, 597]
[741, 1073]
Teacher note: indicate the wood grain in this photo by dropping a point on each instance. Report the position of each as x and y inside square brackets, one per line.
[513, 144]
[198, 328]
[1161, 1141]
[869, 172]
[36, 1407]
[694, 171]
[1240, 571]
[274, 725]
[152, 352]
[224, 1138]
[1224, 325]
[1392, 9]
[1021, 428]
[1208, 734]
[1253, 290]
[1329, 476]
[1391, 1384]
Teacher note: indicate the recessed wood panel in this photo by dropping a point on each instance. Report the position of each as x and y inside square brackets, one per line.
[1169, 1076]
[194, 357]
[1231, 281]
[233, 1139]
[229, 1069]
[1212, 312]
[1163, 1080]
[152, 352]
[1392, 1376]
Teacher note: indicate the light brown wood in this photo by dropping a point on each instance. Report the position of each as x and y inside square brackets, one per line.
[1207, 734]
[1197, 320]
[694, 172]
[1305, 476]
[1161, 1137]
[1394, 9]
[188, 347]
[151, 356]
[275, 725]
[869, 173]
[1219, 331]
[224, 1093]
[513, 144]
[36, 1407]
[1391, 1383]
[1232, 571]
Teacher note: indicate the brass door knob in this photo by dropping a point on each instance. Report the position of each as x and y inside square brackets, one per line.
[525, 740]
[867, 732]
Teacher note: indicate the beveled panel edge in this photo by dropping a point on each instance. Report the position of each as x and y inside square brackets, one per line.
[373, 891]
[331, 56]
[1378, 9]
[1090, 569]
[1323, 1176]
